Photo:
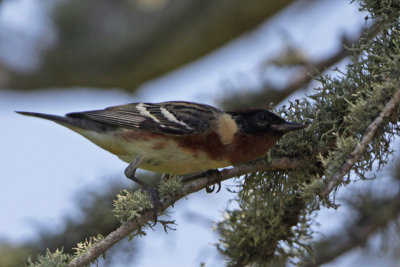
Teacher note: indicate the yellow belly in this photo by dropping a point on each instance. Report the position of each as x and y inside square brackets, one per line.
[157, 155]
[171, 159]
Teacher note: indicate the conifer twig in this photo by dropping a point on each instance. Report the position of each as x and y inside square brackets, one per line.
[360, 148]
[192, 186]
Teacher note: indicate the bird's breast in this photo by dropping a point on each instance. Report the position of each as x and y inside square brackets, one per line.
[247, 147]
[243, 147]
[182, 154]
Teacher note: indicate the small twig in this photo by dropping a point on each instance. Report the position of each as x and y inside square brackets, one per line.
[192, 186]
[360, 148]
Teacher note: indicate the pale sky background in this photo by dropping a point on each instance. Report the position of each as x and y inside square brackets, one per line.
[45, 165]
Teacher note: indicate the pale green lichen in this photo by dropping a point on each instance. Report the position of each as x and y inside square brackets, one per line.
[50, 259]
[171, 185]
[83, 247]
[129, 205]
[271, 223]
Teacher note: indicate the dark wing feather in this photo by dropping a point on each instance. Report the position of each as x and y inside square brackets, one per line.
[116, 118]
[177, 118]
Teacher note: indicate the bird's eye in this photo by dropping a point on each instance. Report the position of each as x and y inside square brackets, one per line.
[261, 117]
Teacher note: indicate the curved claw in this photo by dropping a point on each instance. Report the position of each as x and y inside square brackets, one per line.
[210, 189]
[219, 187]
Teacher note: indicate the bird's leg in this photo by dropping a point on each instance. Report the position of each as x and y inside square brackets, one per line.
[130, 173]
[165, 176]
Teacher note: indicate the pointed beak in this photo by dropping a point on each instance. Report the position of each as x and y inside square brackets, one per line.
[287, 127]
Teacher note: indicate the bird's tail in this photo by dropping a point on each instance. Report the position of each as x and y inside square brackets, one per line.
[69, 122]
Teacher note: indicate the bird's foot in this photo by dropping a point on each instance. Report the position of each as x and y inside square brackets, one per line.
[210, 189]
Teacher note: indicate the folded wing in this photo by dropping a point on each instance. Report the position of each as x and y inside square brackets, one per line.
[176, 118]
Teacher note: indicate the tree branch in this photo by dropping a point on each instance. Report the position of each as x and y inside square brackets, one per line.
[195, 184]
[294, 206]
[358, 151]
[202, 181]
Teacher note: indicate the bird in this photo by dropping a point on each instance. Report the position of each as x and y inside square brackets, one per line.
[177, 137]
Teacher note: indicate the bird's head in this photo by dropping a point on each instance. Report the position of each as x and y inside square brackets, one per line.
[262, 121]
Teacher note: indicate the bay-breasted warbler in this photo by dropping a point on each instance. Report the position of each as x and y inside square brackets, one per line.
[177, 137]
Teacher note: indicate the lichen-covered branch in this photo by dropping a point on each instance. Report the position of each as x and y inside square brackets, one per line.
[360, 149]
[191, 186]
[274, 210]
